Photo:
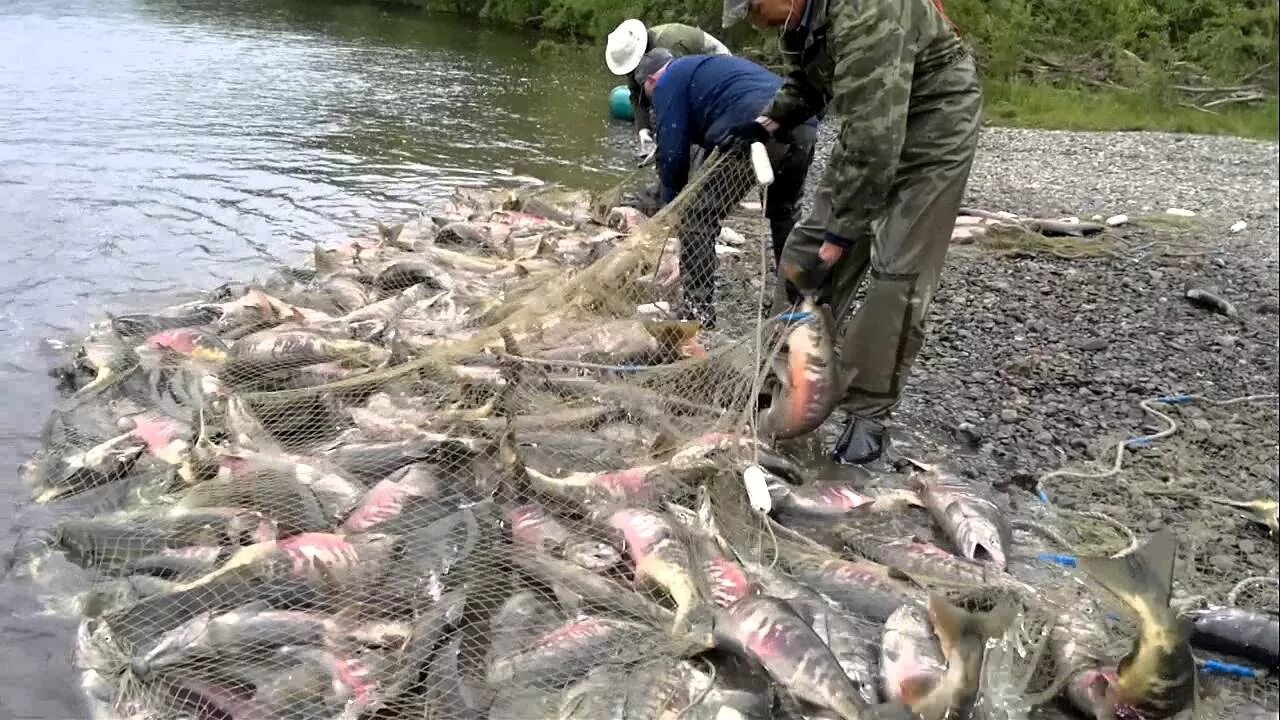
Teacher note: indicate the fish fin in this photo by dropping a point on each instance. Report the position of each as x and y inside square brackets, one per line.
[779, 366]
[898, 574]
[951, 624]
[1243, 504]
[671, 335]
[892, 499]
[388, 235]
[914, 688]
[920, 465]
[1144, 578]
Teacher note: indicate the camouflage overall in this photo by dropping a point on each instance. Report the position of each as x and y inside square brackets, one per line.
[907, 94]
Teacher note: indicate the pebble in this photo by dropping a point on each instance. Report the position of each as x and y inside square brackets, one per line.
[1247, 546]
[1093, 344]
[1222, 563]
[1008, 415]
[1045, 438]
[1152, 341]
[1226, 341]
[1202, 425]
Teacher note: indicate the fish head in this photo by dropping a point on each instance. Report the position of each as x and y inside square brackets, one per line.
[99, 353]
[186, 342]
[592, 554]
[962, 635]
[981, 541]
[173, 645]
[1092, 691]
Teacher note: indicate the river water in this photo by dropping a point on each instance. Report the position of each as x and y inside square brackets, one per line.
[149, 147]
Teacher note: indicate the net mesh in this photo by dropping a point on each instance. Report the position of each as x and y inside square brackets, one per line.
[483, 464]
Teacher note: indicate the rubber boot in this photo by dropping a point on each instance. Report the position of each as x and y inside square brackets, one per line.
[864, 441]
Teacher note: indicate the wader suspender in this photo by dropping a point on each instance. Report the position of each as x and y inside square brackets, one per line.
[938, 4]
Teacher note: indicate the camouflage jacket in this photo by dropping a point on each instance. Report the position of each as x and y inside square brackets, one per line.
[860, 56]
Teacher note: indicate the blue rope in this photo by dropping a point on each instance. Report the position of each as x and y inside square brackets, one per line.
[1216, 667]
[1064, 560]
[793, 316]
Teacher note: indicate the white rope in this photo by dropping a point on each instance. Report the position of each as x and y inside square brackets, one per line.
[1171, 427]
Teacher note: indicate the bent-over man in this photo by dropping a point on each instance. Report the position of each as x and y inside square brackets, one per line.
[697, 100]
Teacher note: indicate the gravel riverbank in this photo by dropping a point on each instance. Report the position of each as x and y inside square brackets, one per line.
[1033, 363]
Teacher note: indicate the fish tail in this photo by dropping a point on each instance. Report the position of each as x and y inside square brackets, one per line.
[954, 625]
[1230, 502]
[887, 711]
[1144, 578]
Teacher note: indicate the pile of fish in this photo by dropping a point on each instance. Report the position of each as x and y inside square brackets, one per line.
[300, 510]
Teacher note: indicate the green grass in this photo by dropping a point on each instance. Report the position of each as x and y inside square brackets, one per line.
[1056, 108]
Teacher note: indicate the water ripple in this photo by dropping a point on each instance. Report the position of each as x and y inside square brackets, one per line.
[152, 147]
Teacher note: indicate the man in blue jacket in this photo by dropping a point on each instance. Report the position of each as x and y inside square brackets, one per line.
[697, 101]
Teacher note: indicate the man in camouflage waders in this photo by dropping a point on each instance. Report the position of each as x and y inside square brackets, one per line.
[906, 90]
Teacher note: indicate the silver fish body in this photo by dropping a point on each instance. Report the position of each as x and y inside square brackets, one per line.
[911, 662]
[769, 631]
[973, 523]
[252, 628]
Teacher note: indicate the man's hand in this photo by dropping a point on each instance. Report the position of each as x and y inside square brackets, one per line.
[741, 136]
[810, 277]
[648, 148]
[830, 253]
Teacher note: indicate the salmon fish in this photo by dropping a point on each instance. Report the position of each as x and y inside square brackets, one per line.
[662, 559]
[973, 523]
[771, 633]
[911, 662]
[1157, 678]
[1236, 631]
[809, 377]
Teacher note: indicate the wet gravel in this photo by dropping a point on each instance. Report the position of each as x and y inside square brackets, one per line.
[1034, 362]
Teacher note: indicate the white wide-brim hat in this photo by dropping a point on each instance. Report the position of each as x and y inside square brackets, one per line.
[626, 46]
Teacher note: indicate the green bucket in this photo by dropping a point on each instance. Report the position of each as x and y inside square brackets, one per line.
[620, 104]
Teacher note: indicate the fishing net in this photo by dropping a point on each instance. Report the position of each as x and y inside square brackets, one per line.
[527, 456]
[1177, 470]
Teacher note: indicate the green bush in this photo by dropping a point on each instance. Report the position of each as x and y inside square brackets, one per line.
[1228, 39]
[1040, 59]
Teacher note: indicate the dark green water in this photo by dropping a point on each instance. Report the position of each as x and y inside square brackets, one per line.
[153, 146]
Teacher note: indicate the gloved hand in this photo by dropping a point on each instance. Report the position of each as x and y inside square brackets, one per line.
[647, 145]
[741, 136]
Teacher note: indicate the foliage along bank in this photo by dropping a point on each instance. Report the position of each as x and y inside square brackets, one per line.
[1216, 58]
